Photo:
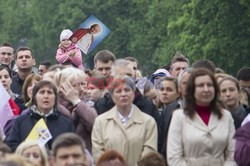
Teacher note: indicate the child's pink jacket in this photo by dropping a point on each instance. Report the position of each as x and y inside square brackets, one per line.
[62, 56]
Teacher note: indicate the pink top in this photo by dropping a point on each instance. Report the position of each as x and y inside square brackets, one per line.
[204, 112]
[62, 55]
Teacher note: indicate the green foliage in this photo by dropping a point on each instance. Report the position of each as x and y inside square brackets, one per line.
[150, 30]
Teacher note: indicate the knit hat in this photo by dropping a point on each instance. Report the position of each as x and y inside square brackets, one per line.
[66, 33]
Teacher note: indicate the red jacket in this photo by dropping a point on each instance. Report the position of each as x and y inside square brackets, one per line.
[14, 107]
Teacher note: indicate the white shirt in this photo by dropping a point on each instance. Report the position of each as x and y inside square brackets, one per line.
[85, 42]
[124, 119]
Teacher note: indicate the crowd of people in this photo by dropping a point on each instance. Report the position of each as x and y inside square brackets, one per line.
[182, 115]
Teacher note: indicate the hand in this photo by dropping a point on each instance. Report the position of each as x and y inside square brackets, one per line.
[74, 39]
[72, 53]
[69, 92]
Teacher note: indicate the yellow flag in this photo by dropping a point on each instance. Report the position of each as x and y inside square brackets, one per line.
[40, 133]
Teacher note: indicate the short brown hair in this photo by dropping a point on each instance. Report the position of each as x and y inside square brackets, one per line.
[40, 85]
[178, 57]
[243, 74]
[204, 63]
[232, 79]
[104, 56]
[24, 49]
[7, 45]
[66, 140]
[190, 89]
[132, 59]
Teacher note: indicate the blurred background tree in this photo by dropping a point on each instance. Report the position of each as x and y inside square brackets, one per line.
[150, 30]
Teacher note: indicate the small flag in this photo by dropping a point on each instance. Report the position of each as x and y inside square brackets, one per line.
[40, 133]
[5, 108]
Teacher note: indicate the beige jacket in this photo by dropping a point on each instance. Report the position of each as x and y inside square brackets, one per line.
[134, 140]
[193, 143]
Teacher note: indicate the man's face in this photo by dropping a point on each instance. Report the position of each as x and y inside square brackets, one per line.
[244, 84]
[134, 66]
[94, 30]
[177, 67]
[6, 55]
[70, 156]
[124, 71]
[42, 70]
[104, 68]
[24, 60]
[183, 84]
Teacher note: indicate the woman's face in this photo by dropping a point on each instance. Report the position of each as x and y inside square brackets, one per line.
[30, 87]
[5, 78]
[33, 154]
[123, 96]
[80, 86]
[45, 99]
[204, 90]
[167, 92]
[229, 94]
[66, 43]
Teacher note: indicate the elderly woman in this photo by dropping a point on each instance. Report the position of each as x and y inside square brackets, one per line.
[202, 132]
[124, 128]
[44, 97]
[71, 83]
[32, 151]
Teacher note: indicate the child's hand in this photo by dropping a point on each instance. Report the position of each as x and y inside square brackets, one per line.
[72, 53]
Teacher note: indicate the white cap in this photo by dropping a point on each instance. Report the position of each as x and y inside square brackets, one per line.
[65, 34]
[162, 71]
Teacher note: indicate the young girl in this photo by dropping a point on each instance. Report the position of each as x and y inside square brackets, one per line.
[68, 52]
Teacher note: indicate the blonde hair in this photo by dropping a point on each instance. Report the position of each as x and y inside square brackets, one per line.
[68, 74]
[27, 144]
[16, 160]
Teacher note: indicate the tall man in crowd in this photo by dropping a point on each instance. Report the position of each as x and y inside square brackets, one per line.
[7, 55]
[103, 61]
[243, 77]
[134, 63]
[178, 63]
[44, 67]
[24, 61]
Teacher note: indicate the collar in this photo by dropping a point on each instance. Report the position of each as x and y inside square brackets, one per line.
[124, 119]
[18, 79]
[33, 107]
[136, 116]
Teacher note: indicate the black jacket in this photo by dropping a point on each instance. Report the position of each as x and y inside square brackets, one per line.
[56, 123]
[166, 117]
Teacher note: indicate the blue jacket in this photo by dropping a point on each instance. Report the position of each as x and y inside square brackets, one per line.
[56, 122]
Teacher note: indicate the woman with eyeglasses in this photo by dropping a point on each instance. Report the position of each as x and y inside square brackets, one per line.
[71, 83]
